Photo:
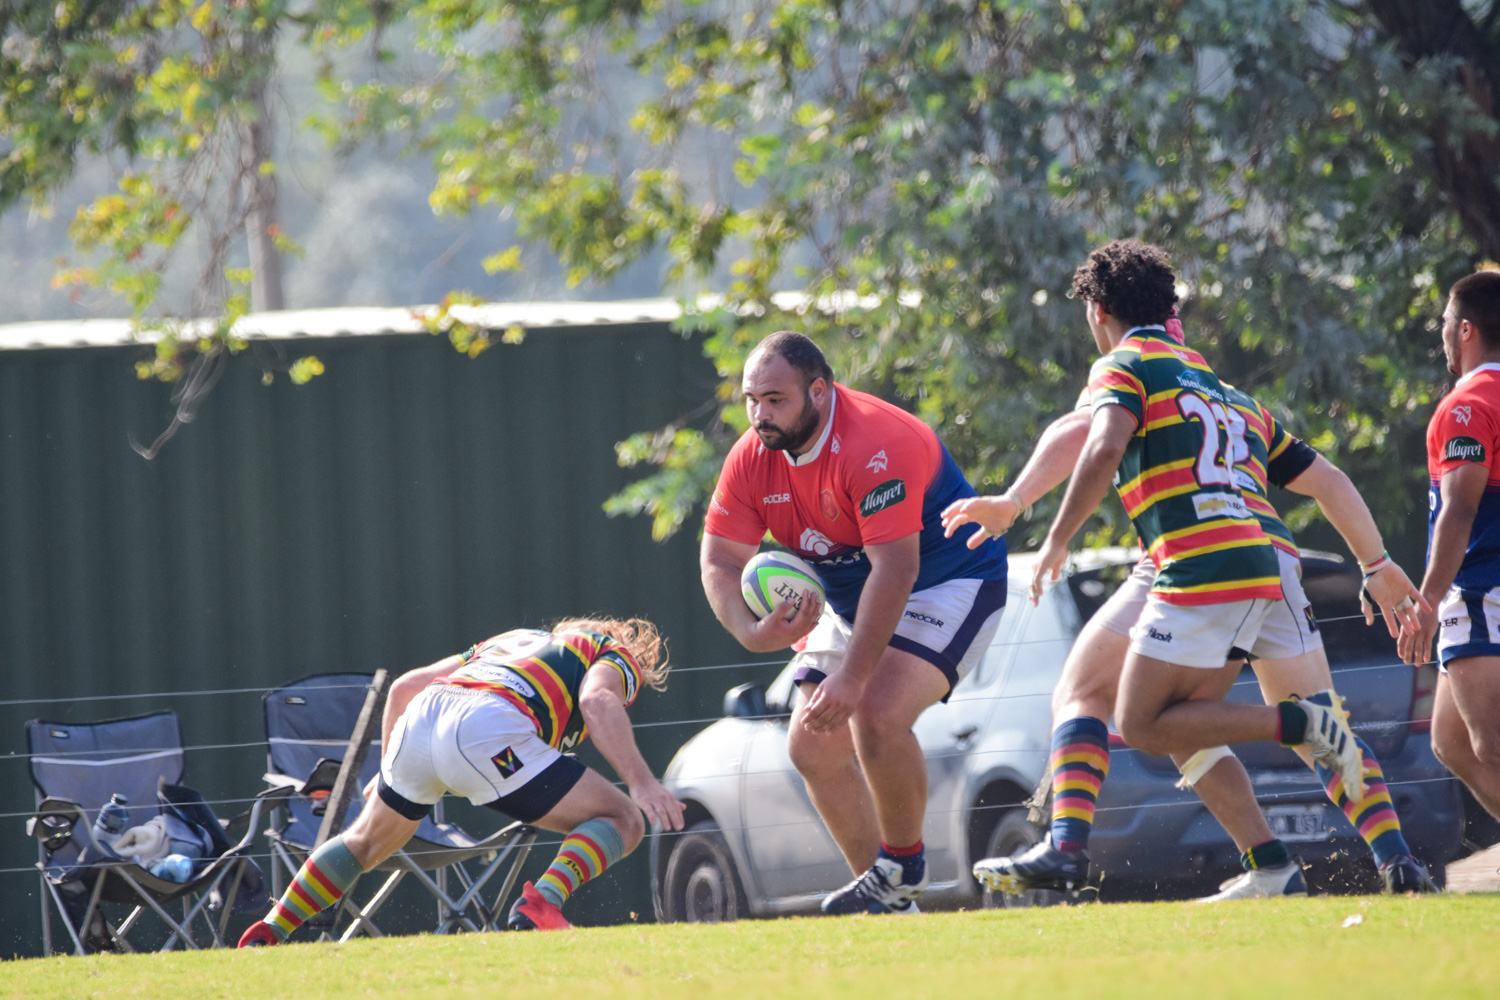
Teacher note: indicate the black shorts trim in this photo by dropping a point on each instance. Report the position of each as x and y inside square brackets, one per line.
[536, 798]
[399, 802]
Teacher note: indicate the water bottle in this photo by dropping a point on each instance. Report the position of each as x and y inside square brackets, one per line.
[172, 868]
[110, 822]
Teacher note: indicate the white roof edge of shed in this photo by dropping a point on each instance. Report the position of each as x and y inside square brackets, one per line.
[352, 321]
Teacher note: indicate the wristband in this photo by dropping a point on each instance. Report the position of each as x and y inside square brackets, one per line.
[1375, 565]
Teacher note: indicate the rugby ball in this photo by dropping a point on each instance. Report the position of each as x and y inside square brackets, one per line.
[773, 577]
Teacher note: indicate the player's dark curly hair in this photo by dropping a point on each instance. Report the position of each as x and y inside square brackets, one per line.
[799, 352]
[1476, 298]
[1132, 280]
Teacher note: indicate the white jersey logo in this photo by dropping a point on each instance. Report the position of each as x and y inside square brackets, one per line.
[878, 462]
[1463, 414]
[815, 542]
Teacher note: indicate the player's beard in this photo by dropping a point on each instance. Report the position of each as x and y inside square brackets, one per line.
[795, 437]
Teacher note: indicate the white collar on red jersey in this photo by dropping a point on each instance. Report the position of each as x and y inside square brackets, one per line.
[811, 455]
[1488, 366]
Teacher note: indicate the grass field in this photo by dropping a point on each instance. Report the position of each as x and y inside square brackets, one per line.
[1408, 948]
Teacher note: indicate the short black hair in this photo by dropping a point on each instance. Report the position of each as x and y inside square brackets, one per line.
[1476, 298]
[799, 352]
[1132, 280]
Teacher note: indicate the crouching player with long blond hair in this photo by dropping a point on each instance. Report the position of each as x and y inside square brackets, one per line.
[493, 724]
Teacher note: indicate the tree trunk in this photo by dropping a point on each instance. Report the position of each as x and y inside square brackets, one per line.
[258, 191]
[1466, 164]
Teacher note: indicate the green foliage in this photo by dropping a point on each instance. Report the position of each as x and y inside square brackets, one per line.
[927, 182]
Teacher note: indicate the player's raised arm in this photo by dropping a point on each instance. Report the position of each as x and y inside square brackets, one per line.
[1387, 583]
[1109, 433]
[1050, 464]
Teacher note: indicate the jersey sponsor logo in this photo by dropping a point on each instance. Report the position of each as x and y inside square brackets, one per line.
[918, 616]
[1450, 622]
[719, 503]
[777, 498]
[1189, 380]
[815, 542]
[1463, 449]
[569, 742]
[837, 445]
[1245, 481]
[1219, 505]
[878, 462]
[508, 763]
[887, 494]
[1158, 636]
[504, 677]
[1463, 414]
[829, 505]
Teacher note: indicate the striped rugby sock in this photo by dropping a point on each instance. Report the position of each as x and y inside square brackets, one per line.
[1373, 816]
[320, 883]
[1080, 762]
[592, 847]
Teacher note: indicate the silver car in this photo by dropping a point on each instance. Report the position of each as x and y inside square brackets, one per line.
[753, 843]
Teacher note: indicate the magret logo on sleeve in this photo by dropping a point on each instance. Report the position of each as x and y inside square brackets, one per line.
[1463, 449]
[887, 494]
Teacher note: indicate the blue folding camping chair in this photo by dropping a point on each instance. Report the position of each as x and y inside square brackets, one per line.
[76, 768]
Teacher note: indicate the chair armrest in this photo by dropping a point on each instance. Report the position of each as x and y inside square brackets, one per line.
[56, 820]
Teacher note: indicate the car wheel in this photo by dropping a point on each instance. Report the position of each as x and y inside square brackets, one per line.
[1012, 834]
[699, 884]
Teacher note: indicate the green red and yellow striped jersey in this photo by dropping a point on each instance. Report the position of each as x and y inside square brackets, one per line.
[1259, 443]
[541, 673]
[1176, 478]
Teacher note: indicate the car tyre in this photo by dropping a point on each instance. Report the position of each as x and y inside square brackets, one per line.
[1012, 834]
[699, 882]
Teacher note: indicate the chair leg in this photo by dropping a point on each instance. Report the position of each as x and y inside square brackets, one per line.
[363, 915]
[178, 931]
[523, 849]
[62, 910]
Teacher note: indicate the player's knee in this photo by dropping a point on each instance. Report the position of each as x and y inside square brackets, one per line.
[631, 825]
[1486, 748]
[1140, 730]
[812, 754]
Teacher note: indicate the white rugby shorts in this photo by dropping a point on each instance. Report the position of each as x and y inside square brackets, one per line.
[1288, 630]
[1468, 625]
[471, 743]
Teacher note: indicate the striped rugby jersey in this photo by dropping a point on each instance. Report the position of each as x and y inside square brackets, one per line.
[1264, 453]
[1176, 478]
[541, 673]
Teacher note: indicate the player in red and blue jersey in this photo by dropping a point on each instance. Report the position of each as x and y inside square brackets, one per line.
[856, 487]
[491, 724]
[1463, 546]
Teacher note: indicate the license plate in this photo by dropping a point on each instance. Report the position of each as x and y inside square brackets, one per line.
[1299, 822]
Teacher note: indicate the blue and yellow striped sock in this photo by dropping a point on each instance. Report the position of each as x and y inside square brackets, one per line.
[1373, 816]
[1079, 763]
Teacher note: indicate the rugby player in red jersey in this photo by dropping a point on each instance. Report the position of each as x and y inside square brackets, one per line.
[492, 724]
[1161, 429]
[1463, 547]
[855, 486]
[1265, 455]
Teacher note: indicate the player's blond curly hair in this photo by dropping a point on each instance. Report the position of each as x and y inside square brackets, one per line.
[637, 635]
